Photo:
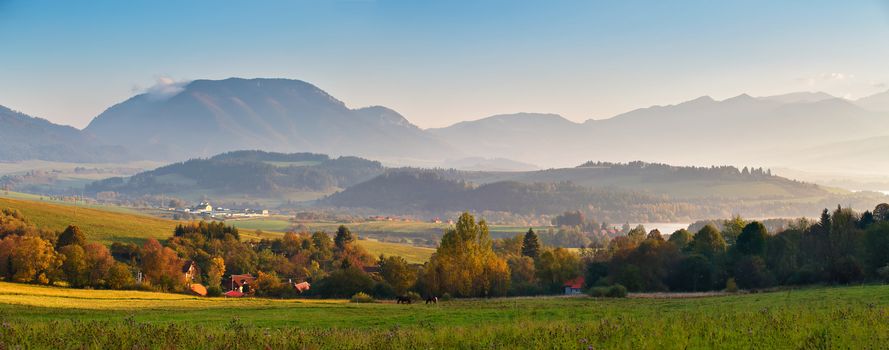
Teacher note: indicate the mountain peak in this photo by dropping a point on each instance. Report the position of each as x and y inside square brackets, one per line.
[740, 98]
[282, 115]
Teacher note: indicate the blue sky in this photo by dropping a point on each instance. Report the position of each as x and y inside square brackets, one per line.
[439, 62]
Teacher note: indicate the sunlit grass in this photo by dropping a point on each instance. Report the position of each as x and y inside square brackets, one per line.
[834, 317]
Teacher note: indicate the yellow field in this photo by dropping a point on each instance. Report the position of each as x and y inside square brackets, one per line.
[70, 298]
[413, 254]
[100, 225]
[106, 226]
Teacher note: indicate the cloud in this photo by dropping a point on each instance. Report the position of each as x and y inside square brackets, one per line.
[826, 77]
[163, 88]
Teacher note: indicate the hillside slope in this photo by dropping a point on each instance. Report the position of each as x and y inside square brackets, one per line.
[23, 137]
[212, 116]
[444, 193]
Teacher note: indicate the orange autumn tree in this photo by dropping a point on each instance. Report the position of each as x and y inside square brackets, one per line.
[161, 266]
[465, 264]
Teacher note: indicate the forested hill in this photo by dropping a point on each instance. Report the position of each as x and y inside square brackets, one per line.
[440, 193]
[679, 182]
[255, 172]
[687, 182]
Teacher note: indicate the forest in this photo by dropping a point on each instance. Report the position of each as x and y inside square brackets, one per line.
[842, 247]
[443, 193]
[255, 172]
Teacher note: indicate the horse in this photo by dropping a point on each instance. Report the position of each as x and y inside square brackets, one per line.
[433, 300]
[403, 300]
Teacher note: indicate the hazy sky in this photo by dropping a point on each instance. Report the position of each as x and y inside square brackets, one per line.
[438, 62]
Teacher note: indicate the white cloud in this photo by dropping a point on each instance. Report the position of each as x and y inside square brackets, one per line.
[826, 78]
[163, 88]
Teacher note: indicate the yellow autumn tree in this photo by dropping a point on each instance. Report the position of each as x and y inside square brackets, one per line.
[465, 264]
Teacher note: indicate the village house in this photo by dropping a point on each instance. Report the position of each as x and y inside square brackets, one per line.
[574, 286]
[242, 283]
[190, 269]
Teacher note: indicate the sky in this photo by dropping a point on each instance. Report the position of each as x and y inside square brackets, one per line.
[440, 62]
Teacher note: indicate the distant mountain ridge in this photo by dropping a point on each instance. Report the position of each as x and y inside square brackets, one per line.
[738, 130]
[442, 193]
[23, 137]
[212, 116]
[208, 117]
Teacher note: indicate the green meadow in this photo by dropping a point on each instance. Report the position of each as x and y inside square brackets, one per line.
[38, 317]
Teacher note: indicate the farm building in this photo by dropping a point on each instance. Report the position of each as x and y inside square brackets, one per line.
[242, 283]
[190, 269]
[574, 286]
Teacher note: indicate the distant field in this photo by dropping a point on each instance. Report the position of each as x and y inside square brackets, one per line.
[413, 254]
[106, 224]
[101, 224]
[281, 224]
[272, 227]
[818, 318]
[28, 165]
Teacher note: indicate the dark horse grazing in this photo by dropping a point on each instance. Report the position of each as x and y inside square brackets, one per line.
[433, 300]
[403, 300]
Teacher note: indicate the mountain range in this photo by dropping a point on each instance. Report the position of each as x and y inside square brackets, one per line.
[23, 137]
[207, 117]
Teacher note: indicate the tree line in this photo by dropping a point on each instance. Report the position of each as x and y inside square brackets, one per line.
[843, 246]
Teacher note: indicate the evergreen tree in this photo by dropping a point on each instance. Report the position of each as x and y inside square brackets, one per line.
[343, 237]
[531, 245]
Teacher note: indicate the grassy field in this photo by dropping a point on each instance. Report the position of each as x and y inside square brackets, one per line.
[101, 224]
[818, 318]
[413, 254]
[116, 224]
[389, 227]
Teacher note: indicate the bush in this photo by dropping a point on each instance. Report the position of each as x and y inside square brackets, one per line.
[731, 286]
[445, 297]
[214, 291]
[361, 297]
[414, 296]
[599, 292]
[615, 291]
[383, 290]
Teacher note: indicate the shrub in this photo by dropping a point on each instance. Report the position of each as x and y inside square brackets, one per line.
[731, 286]
[445, 297]
[361, 297]
[614, 291]
[414, 296]
[599, 292]
[617, 291]
[214, 291]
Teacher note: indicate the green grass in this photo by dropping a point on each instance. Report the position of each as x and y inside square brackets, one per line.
[47, 317]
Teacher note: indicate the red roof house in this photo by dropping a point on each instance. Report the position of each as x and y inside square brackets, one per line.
[574, 286]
